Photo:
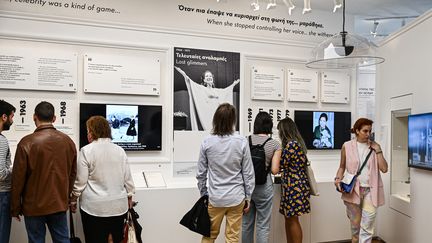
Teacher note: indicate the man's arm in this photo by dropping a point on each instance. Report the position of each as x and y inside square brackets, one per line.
[19, 179]
[5, 170]
[73, 173]
[202, 171]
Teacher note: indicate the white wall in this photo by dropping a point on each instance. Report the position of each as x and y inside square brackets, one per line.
[407, 69]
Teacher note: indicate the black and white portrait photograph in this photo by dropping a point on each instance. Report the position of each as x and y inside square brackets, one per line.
[123, 120]
[323, 128]
[203, 79]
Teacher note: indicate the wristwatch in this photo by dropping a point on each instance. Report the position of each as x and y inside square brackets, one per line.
[336, 178]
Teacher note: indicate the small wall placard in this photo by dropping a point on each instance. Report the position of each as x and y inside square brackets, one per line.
[267, 83]
[302, 85]
[335, 87]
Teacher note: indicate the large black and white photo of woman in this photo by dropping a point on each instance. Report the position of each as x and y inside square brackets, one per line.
[202, 81]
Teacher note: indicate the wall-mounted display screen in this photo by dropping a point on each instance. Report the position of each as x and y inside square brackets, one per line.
[420, 141]
[324, 129]
[133, 127]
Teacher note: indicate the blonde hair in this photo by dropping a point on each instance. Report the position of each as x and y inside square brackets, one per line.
[288, 132]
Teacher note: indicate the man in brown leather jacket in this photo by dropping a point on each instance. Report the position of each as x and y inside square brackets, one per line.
[43, 175]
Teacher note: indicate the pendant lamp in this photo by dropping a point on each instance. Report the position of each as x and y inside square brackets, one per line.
[344, 51]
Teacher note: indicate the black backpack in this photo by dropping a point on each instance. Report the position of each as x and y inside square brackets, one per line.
[259, 161]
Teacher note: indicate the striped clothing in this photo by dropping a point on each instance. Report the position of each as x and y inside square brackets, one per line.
[5, 165]
[270, 147]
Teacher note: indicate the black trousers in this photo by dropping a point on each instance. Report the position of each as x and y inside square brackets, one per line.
[97, 229]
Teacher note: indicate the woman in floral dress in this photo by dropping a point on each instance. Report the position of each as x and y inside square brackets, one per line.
[295, 187]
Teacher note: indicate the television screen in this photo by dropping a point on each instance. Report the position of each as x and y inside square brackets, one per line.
[420, 141]
[323, 129]
[133, 127]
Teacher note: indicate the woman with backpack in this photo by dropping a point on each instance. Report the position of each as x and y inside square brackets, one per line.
[265, 153]
[295, 187]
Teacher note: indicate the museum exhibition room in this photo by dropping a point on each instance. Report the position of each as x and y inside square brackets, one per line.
[158, 71]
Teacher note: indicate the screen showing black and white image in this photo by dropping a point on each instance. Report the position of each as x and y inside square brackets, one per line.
[123, 120]
[420, 141]
[133, 127]
[323, 129]
[203, 79]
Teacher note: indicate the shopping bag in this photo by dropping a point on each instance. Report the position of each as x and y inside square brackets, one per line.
[198, 219]
[129, 235]
[311, 178]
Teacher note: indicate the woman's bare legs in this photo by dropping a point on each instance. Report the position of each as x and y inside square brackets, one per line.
[294, 233]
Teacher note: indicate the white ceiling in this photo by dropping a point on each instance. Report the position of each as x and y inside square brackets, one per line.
[366, 11]
[378, 8]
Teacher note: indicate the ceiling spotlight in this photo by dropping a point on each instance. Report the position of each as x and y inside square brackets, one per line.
[307, 7]
[255, 5]
[344, 51]
[290, 5]
[271, 4]
[337, 5]
[374, 28]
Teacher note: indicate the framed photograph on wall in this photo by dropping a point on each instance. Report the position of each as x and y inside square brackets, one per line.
[203, 79]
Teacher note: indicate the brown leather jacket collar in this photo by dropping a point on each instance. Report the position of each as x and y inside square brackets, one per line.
[44, 126]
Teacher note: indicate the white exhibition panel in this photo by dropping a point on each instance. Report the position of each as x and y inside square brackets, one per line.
[276, 112]
[121, 74]
[335, 87]
[38, 69]
[366, 82]
[23, 119]
[267, 83]
[187, 145]
[302, 85]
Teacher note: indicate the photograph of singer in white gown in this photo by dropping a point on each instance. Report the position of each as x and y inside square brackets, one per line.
[203, 79]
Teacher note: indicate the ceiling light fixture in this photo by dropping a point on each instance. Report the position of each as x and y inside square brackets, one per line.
[271, 4]
[374, 29]
[337, 5]
[307, 7]
[255, 5]
[290, 5]
[344, 51]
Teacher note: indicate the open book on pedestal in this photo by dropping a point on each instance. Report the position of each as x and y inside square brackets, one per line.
[154, 179]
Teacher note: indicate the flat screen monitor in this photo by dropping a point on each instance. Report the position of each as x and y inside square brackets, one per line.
[420, 141]
[323, 129]
[133, 127]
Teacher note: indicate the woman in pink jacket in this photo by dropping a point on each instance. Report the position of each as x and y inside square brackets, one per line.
[368, 193]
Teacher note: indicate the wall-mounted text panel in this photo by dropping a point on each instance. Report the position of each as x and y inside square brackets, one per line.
[118, 74]
[267, 83]
[37, 69]
[302, 85]
[335, 87]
